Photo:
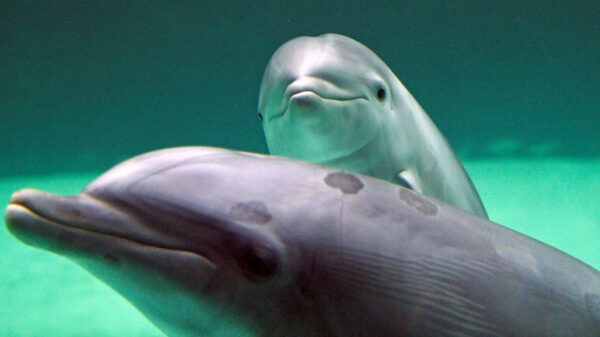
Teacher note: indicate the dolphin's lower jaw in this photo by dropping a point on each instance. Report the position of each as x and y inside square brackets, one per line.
[310, 128]
[339, 151]
[133, 268]
[47, 228]
[347, 161]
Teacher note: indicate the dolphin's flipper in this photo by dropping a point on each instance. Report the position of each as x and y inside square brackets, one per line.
[405, 178]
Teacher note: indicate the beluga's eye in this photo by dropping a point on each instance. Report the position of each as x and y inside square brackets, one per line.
[259, 116]
[381, 93]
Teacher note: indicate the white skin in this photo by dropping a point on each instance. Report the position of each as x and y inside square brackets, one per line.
[331, 100]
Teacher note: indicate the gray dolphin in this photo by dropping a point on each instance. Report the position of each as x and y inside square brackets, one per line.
[277, 247]
[331, 100]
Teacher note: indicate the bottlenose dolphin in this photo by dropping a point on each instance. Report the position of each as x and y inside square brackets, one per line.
[331, 100]
[277, 247]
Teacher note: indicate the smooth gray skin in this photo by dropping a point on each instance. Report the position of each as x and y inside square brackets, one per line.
[194, 236]
[319, 102]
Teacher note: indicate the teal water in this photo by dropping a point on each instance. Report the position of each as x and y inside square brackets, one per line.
[83, 85]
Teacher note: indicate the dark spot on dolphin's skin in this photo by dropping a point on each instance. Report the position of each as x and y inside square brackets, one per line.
[592, 301]
[346, 182]
[418, 202]
[254, 212]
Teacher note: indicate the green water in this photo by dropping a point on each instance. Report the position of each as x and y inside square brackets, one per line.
[85, 84]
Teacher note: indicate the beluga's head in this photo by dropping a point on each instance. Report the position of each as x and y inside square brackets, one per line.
[324, 98]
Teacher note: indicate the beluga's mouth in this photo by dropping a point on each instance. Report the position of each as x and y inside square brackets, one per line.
[305, 99]
[307, 93]
[323, 89]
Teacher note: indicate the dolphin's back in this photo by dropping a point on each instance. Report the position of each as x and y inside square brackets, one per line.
[406, 265]
[441, 272]
[434, 168]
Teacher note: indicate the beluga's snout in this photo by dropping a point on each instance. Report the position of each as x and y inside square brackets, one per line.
[316, 100]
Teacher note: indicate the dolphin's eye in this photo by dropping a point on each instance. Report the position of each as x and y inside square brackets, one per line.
[381, 94]
[258, 262]
[259, 116]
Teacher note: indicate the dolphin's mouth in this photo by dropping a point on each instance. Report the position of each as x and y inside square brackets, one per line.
[308, 95]
[293, 95]
[29, 207]
[78, 227]
[26, 224]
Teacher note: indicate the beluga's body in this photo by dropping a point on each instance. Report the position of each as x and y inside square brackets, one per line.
[204, 241]
[331, 100]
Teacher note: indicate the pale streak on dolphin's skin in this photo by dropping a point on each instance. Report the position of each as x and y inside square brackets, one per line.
[331, 100]
[196, 236]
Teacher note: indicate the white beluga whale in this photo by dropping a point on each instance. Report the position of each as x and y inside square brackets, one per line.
[331, 100]
[199, 237]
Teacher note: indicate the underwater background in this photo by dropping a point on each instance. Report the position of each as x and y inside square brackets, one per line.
[513, 85]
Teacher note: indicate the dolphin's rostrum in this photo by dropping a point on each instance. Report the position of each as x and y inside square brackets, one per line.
[270, 246]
